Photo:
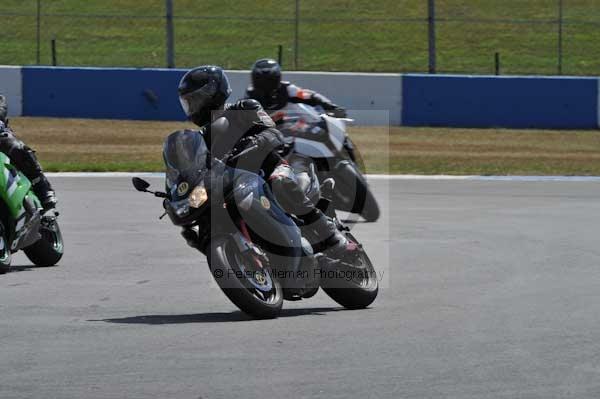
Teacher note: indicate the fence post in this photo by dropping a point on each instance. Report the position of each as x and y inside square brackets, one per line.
[37, 32]
[170, 34]
[53, 50]
[296, 33]
[279, 54]
[431, 23]
[560, 36]
[497, 63]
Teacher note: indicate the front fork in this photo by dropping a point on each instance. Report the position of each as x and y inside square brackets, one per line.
[349, 146]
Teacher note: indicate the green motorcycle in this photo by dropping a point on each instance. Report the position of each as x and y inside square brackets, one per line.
[22, 224]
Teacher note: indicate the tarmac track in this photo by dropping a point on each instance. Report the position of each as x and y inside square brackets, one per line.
[489, 290]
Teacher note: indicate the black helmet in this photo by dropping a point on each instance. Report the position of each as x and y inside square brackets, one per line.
[202, 90]
[266, 76]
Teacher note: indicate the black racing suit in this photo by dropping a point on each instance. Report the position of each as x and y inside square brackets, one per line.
[249, 127]
[25, 160]
[288, 92]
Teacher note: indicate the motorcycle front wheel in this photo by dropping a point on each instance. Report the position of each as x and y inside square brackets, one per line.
[354, 194]
[249, 286]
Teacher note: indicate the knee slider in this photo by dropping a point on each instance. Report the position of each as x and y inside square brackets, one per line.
[283, 175]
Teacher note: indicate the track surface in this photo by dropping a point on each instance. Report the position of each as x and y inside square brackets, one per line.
[492, 291]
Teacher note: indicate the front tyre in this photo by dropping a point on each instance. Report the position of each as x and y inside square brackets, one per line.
[250, 287]
[356, 286]
[5, 255]
[48, 250]
[369, 209]
[353, 193]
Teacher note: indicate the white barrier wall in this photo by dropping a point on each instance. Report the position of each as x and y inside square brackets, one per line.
[11, 86]
[360, 93]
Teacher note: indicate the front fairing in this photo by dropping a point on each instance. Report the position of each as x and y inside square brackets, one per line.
[186, 160]
[233, 195]
[300, 120]
[178, 205]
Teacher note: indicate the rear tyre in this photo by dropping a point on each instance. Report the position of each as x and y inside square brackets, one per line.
[250, 288]
[48, 250]
[5, 255]
[361, 289]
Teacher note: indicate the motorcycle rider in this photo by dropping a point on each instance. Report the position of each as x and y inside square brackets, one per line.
[25, 160]
[272, 93]
[202, 93]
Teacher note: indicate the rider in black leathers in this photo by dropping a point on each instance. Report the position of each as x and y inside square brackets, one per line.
[202, 93]
[25, 160]
[272, 93]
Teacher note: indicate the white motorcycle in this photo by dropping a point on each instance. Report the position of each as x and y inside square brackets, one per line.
[323, 138]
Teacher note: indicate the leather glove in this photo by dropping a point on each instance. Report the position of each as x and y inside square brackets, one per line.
[338, 112]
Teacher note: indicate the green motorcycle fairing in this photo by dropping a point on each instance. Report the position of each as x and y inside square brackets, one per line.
[22, 205]
[15, 188]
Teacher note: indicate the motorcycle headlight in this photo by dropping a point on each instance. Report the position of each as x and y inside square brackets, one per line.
[198, 196]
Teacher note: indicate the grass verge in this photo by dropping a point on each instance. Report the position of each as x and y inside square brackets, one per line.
[108, 145]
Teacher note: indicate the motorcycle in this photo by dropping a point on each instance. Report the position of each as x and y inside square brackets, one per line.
[23, 226]
[255, 251]
[324, 139]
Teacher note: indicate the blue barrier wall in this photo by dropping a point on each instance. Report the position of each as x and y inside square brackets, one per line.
[412, 100]
[124, 93]
[145, 94]
[492, 101]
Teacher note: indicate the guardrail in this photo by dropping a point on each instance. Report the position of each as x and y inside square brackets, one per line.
[373, 99]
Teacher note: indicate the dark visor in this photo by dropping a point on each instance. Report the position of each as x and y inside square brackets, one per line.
[199, 99]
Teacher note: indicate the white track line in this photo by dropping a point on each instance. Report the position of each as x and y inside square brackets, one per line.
[486, 178]
[105, 174]
[369, 177]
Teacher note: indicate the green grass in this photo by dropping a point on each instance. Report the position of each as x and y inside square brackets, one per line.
[336, 35]
[99, 146]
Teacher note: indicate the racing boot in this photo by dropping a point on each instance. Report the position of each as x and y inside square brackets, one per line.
[324, 236]
[42, 188]
[191, 237]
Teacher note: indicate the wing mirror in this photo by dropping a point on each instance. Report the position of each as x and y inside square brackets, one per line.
[140, 184]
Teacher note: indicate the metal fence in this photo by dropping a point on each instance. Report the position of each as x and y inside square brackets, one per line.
[443, 36]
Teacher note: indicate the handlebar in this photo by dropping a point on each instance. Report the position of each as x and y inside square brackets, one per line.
[248, 150]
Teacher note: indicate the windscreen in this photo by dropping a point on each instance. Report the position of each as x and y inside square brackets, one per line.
[301, 111]
[185, 154]
[296, 119]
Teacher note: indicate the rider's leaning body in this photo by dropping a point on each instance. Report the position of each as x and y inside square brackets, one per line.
[203, 92]
[272, 93]
[23, 157]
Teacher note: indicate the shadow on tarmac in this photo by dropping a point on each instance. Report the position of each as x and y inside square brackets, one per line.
[26, 268]
[216, 317]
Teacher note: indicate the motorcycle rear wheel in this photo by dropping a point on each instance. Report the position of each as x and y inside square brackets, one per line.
[359, 291]
[253, 292]
[48, 250]
[5, 255]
